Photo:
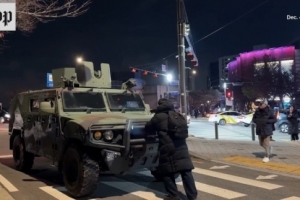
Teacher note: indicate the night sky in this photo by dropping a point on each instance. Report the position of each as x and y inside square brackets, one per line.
[138, 32]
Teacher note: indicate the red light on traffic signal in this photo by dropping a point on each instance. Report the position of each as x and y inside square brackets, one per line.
[189, 54]
[155, 75]
[133, 70]
[145, 72]
[228, 94]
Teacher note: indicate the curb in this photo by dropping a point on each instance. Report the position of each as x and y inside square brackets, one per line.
[195, 155]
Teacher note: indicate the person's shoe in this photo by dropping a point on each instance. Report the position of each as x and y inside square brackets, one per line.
[266, 159]
[168, 197]
[272, 139]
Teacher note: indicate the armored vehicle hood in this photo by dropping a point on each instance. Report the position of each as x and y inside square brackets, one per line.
[85, 120]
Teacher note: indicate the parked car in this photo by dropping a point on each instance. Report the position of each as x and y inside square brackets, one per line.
[4, 116]
[245, 118]
[283, 123]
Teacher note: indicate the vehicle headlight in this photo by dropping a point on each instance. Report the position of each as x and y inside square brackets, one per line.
[7, 115]
[108, 135]
[97, 135]
[188, 117]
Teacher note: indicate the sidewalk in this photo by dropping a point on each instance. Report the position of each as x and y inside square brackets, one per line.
[4, 194]
[285, 159]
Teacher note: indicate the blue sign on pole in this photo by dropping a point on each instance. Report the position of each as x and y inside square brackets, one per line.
[49, 80]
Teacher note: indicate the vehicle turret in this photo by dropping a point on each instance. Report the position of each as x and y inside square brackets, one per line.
[83, 75]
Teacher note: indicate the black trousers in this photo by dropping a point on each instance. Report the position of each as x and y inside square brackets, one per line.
[188, 184]
[295, 136]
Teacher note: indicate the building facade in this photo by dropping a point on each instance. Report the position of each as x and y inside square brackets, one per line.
[247, 64]
[223, 69]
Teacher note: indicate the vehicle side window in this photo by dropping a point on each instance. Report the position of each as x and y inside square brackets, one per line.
[34, 105]
[51, 100]
[226, 113]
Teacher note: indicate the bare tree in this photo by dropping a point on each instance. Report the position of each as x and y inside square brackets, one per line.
[30, 12]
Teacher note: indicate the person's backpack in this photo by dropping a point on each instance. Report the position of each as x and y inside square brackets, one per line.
[177, 125]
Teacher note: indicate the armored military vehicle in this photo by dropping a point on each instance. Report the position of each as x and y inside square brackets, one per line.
[83, 126]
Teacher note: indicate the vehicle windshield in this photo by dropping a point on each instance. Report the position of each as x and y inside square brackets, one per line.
[129, 102]
[83, 101]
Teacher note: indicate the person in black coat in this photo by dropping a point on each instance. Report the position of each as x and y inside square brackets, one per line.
[264, 119]
[173, 154]
[293, 123]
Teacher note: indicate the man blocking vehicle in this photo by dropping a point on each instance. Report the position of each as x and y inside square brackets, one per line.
[172, 131]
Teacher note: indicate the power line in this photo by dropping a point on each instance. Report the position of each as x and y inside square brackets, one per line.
[231, 22]
[241, 16]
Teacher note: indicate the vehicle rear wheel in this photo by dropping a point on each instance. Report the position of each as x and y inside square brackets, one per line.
[284, 128]
[222, 122]
[158, 176]
[23, 160]
[246, 125]
[80, 173]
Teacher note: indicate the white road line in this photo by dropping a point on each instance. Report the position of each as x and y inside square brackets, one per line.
[10, 187]
[292, 198]
[56, 192]
[220, 192]
[237, 179]
[6, 156]
[135, 189]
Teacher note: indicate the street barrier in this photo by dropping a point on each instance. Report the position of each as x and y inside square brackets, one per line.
[252, 125]
[216, 131]
[253, 131]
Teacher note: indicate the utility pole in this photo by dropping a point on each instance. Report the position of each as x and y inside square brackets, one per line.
[181, 29]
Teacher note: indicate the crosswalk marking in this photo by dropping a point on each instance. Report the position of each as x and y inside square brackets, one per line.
[220, 192]
[237, 179]
[7, 184]
[135, 189]
[292, 198]
[56, 192]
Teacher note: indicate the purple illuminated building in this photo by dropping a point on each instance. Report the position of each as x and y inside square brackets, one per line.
[243, 68]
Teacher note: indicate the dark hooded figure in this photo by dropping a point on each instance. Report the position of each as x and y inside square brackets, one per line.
[174, 155]
[293, 123]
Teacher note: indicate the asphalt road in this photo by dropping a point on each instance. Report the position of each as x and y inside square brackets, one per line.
[227, 182]
[204, 129]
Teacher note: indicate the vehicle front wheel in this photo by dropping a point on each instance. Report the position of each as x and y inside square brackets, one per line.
[284, 128]
[80, 173]
[158, 176]
[23, 160]
[222, 122]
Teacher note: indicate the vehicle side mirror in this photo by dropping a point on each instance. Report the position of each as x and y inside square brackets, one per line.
[47, 107]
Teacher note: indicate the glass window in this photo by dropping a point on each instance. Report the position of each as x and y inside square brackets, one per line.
[81, 101]
[125, 101]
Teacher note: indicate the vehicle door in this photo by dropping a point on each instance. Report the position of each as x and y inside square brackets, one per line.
[31, 119]
[232, 117]
[48, 132]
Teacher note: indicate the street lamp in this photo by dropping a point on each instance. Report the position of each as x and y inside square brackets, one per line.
[194, 72]
[169, 77]
[79, 59]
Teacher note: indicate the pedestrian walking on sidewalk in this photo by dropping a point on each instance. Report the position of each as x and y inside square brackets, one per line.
[293, 123]
[173, 150]
[264, 119]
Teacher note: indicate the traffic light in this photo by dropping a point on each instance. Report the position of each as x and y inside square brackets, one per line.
[228, 93]
[190, 60]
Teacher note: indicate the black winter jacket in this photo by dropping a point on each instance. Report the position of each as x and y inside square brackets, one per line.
[293, 122]
[174, 155]
[264, 120]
